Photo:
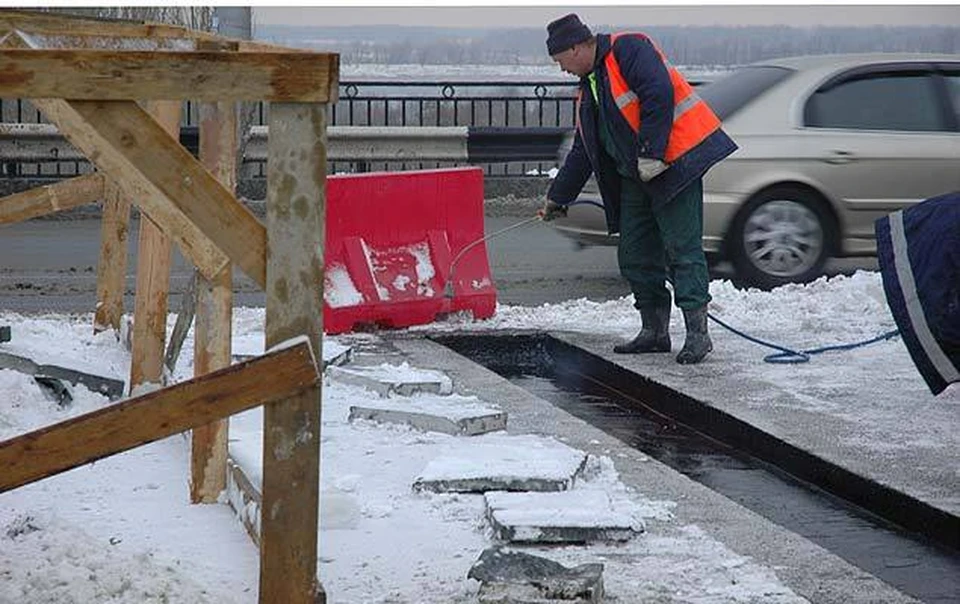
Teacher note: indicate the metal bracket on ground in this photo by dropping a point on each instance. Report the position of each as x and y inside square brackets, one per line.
[112, 389]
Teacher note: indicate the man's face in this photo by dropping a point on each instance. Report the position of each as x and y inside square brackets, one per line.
[575, 60]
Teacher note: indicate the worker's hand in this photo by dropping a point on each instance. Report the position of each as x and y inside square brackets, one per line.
[551, 210]
[650, 168]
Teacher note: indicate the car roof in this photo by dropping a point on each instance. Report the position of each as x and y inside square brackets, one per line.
[850, 60]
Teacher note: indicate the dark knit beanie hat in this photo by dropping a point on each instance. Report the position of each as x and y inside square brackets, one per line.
[565, 32]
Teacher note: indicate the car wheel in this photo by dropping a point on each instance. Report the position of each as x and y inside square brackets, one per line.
[781, 235]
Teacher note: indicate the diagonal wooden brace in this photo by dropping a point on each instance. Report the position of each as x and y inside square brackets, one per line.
[166, 181]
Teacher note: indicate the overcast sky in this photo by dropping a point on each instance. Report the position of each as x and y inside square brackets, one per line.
[462, 15]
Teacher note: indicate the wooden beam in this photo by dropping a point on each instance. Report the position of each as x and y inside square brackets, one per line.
[52, 23]
[212, 351]
[134, 422]
[214, 309]
[49, 24]
[169, 75]
[296, 204]
[112, 261]
[61, 41]
[154, 258]
[48, 199]
[210, 225]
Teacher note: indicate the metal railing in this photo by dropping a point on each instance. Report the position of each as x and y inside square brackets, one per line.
[371, 102]
[511, 117]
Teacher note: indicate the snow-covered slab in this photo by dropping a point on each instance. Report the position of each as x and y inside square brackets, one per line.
[575, 516]
[503, 462]
[452, 414]
[386, 379]
[334, 353]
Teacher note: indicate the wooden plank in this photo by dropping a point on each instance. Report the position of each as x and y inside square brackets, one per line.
[185, 315]
[296, 204]
[48, 199]
[134, 422]
[49, 41]
[212, 348]
[112, 262]
[173, 188]
[54, 24]
[214, 311]
[80, 74]
[36, 21]
[154, 255]
[154, 258]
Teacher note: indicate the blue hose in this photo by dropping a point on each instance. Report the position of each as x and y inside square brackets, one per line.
[788, 356]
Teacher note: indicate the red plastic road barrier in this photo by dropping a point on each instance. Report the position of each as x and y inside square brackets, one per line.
[390, 240]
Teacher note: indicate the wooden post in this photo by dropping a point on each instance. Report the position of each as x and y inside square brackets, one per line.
[212, 344]
[296, 205]
[153, 278]
[112, 265]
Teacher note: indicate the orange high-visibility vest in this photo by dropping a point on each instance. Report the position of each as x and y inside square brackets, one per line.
[693, 120]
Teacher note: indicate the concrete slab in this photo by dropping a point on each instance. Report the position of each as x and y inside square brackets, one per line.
[574, 516]
[503, 462]
[513, 577]
[452, 414]
[387, 379]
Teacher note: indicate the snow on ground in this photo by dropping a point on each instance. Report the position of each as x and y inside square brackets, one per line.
[121, 530]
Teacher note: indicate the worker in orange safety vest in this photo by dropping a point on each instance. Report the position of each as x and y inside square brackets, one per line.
[648, 138]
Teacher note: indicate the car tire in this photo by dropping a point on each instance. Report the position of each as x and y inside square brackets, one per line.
[782, 235]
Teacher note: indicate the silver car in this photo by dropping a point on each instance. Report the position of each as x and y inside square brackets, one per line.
[828, 144]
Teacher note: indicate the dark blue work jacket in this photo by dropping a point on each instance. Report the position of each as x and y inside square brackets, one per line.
[647, 76]
[918, 249]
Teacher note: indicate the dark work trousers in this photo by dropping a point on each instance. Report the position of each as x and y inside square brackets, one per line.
[667, 244]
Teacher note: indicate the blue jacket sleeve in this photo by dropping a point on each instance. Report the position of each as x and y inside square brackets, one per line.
[573, 174]
[647, 75]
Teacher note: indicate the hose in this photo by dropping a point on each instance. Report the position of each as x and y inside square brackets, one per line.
[789, 356]
[448, 286]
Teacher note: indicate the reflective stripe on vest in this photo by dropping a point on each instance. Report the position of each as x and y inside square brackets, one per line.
[693, 120]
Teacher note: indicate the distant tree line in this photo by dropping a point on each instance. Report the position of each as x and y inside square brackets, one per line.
[194, 17]
[720, 46]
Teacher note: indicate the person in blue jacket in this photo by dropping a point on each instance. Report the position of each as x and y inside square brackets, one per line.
[648, 138]
[918, 250]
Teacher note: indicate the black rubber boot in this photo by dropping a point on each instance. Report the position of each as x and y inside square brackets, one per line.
[697, 344]
[654, 333]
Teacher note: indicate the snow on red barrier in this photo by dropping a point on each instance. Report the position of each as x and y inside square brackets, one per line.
[390, 241]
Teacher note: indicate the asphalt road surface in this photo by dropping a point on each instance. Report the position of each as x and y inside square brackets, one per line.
[50, 266]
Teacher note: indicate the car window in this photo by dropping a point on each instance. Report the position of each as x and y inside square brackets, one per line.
[730, 93]
[881, 101]
[953, 90]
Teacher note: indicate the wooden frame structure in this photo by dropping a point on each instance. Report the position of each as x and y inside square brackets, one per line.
[114, 89]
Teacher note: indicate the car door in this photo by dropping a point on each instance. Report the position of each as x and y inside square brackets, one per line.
[885, 137]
